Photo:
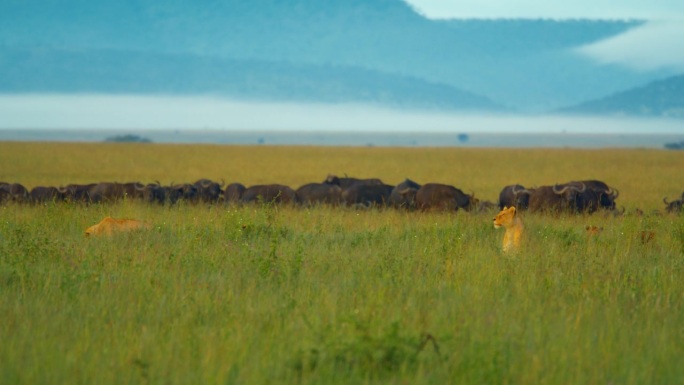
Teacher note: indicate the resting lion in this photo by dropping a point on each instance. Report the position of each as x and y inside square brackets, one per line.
[507, 219]
[109, 226]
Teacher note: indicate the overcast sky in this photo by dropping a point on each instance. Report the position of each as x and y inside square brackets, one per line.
[659, 44]
[554, 9]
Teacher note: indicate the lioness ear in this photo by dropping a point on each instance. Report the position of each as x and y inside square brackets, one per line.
[512, 209]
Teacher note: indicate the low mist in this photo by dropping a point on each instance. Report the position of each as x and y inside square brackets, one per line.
[151, 112]
[655, 45]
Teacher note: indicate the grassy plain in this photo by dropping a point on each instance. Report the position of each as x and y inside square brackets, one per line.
[257, 295]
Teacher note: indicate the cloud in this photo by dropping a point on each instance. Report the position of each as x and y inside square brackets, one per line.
[126, 112]
[652, 46]
[552, 9]
[655, 45]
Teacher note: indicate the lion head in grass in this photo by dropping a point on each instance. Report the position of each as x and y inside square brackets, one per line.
[509, 220]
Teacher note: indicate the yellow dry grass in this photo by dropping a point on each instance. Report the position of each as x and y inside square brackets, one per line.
[642, 176]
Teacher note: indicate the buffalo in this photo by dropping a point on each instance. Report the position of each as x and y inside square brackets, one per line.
[77, 192]
[367, 195]
[604, 194]
[581, 198]
[44, 194]
[133, 190]
[486, 206]
[556, 199]
[15, 192]
[114, 191]
[208, 190]
[514, 195]
[4, 196]
[674, 207]
[444, 197]
[404, 194]
[182, 191]
[154, 193]
[347, 182]
[319, 193]
[271, 193]
[233, 193]
[594, 195]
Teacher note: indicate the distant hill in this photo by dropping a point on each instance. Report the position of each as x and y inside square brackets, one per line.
[663, 98]
[319, 50]
[112, 71]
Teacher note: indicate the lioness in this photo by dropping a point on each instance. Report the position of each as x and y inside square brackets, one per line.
[593, 231]
[514, 228]
[109, 226]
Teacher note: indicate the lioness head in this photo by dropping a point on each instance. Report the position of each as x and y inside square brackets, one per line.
[593, 230]
[504, 217]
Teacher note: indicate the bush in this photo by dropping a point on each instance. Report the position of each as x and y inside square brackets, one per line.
[128, 138]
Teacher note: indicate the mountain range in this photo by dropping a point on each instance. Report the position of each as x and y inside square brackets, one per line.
[356, 51]
[663, 98]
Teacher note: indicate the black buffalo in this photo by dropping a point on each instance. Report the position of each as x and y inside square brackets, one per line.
[233, 193]
[15, 192]
[592, 195]
[404, 194]
[557, 198]
[44, 194]
[182, 192]
[208, 190]
[603, 195]
[443, 197]
[113, 191]
[367, 195]
[270, 193]
[319, 193]
[79, 193]
[515, 195]
[674, 207]
[347, 182]
[485, 206]
[154, 193]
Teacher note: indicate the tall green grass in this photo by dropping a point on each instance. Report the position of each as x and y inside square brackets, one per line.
[263, 294]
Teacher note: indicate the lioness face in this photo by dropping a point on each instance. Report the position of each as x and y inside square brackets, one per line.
[504, 217]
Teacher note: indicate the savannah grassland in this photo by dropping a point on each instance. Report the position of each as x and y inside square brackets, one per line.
[278, 295]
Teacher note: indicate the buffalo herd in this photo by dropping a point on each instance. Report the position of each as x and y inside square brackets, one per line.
[584, 196]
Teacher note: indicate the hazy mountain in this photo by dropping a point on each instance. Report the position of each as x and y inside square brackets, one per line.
[332, 50]
[663, 98]
[121, 72]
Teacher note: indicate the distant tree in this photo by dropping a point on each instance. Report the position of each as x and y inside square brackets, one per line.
[675, 145]
[128, 138]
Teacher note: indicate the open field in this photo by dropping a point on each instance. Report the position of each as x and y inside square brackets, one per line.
[643, 177]
[256, 295]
